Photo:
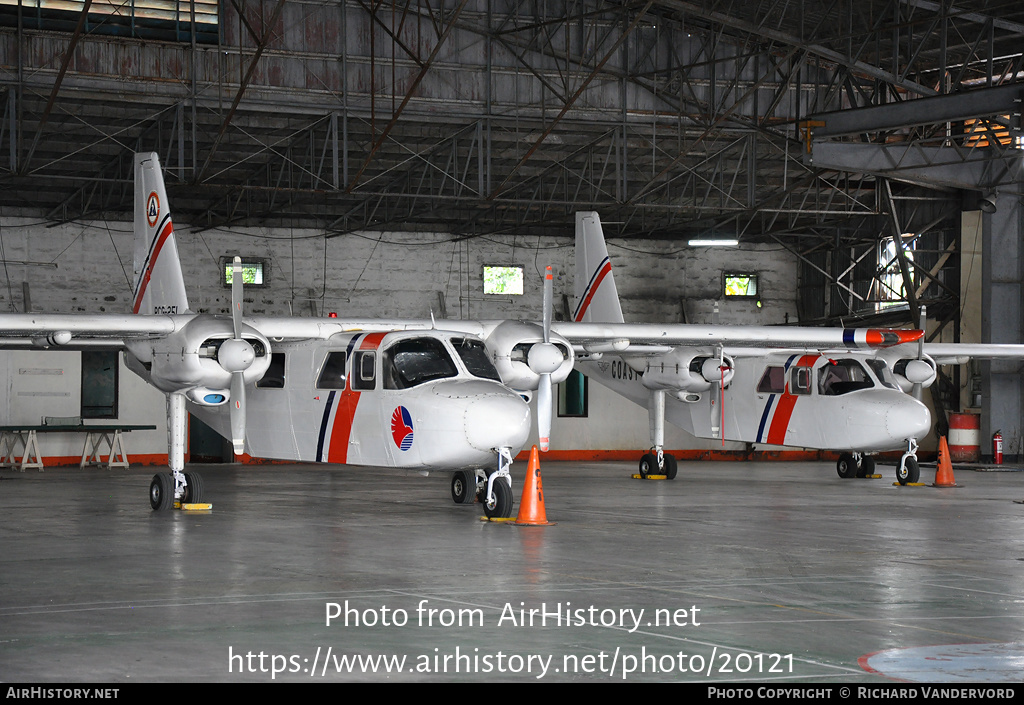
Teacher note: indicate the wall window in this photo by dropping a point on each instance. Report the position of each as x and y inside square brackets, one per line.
[166, 20]
[573, 396]
[255, 271]
[99, 384]
[742, 285]
[503, 280]
[891, 291]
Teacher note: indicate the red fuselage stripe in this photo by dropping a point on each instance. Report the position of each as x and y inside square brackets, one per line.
[784, 410]
[348, 402]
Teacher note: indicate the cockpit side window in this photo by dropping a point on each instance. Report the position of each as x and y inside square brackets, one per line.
[411, 362]
[474, 356]
[842, 376]
[881, 371]
[773, 381]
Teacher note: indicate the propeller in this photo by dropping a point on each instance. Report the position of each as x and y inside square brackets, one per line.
[544, 358]
[713, 370]
[918, 388]
[236, 355]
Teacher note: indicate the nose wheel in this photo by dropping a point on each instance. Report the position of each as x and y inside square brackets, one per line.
[909, 472]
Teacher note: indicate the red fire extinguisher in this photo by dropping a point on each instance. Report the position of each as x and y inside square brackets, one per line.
[997, 447]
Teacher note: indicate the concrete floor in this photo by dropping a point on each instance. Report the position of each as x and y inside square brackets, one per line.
[795, 575]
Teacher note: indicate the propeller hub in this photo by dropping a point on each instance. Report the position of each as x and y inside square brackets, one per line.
[544, 358]
[235, 355]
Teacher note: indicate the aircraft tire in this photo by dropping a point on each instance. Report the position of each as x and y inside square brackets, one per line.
[648, 465]
[671, 466]
[193, 488]
[161, 491]
[464, 487]
[846, 466]
[867, 466]
[503, 501]
[909, 473]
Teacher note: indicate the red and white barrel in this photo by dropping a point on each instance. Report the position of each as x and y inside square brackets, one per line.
[964, 438]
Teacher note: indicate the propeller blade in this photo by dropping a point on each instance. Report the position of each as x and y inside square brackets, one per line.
[548, 285]
[917, 391]
[236, 296]
[544, 412]
[238, 412]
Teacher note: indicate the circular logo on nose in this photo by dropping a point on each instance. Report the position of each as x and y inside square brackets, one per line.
[401, 428]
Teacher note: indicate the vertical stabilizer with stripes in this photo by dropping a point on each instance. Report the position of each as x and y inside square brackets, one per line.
[597, 300]
[159, 284]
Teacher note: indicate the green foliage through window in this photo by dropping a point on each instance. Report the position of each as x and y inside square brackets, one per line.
[503, 280]
[252, 274]
[741, 285]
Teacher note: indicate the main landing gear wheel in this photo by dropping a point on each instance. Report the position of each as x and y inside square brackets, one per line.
[464, 486]
[161, 491]
[501, 506]
[648, 465]
[193, 488]
[909, 472]
[846, 466]
[671, 467]
[867, 466]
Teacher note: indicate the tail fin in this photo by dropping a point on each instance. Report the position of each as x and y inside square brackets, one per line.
[596, 295]
[159, 284]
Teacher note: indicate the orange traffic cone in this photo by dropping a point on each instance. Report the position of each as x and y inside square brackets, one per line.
[531, 506]
[944, 468]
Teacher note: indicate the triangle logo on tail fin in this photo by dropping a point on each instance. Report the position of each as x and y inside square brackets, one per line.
[597, 299]
[159, 284]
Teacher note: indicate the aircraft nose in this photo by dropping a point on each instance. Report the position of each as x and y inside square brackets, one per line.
[907, 418]
[497, 421]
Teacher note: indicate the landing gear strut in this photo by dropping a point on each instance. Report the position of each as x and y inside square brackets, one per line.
[177, 485]
[658, 462]
[497, 496]
[908, 471]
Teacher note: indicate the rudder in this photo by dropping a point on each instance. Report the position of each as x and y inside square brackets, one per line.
[596, 296]
[159, 284]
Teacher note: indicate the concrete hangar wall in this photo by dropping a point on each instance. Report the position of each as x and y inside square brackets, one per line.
[87, 267]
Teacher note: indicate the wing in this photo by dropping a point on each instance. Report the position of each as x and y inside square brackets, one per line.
[641, 338]
[44, 330]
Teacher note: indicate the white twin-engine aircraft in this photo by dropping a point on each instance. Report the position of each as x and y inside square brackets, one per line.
[855, 391]
[449, 395]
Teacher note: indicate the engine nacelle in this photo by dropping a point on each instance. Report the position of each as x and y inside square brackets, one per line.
[911, 371]
[687, 371]
[509, 346]
[190, 359]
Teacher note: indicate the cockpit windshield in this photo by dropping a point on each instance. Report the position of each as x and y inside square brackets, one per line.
[842, 376]
[412, 362]
[474, 356]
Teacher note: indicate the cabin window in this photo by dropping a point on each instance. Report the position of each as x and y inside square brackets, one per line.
[474, 356]
[409, 363]
[332, 374]
[800, 380]
[503, 280]
[773, 381]
[364, 370]
[842, 376]
[274, 377]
